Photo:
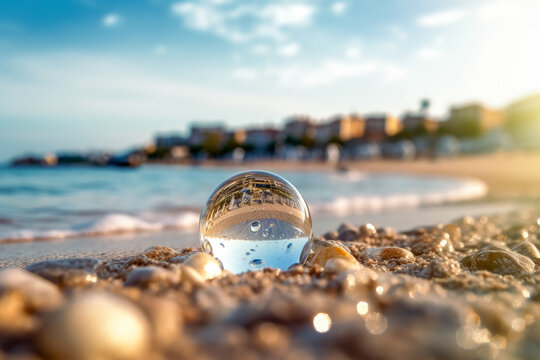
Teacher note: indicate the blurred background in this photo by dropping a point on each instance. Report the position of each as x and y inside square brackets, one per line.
[416, 104]
[180, 80]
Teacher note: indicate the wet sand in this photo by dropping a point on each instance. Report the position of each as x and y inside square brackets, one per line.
[104, 247]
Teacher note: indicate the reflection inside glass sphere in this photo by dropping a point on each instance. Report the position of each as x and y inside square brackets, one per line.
[254, 220]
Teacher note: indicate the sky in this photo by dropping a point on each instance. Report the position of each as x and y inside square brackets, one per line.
[105, 74]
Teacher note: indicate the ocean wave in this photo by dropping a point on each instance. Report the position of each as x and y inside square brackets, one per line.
[182, 218]
[465, 190]
[111, 224]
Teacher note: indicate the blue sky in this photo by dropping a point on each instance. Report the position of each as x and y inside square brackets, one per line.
[94, 74]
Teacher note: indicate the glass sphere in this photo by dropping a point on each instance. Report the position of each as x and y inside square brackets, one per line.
[253, 220]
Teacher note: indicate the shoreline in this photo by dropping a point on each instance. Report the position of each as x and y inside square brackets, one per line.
[507, 174]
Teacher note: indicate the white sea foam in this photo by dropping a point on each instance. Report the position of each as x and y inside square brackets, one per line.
[188, 219]
[113, 224]
[463, 191]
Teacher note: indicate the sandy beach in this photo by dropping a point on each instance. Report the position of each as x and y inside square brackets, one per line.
[507, 174]
[424, 282]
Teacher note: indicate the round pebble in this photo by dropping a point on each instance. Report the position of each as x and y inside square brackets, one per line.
[205, 265]
[96, 326]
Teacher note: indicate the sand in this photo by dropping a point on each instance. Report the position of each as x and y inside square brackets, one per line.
[508, 174]
[467, 290]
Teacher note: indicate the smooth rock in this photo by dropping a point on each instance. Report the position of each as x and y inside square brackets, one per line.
[348, 232]
[165, 319]
[388, 253]
[368, 230]
[152, 276]
[68, 272]
[39, 294]
[191, 276]
[337, 265]
[96, 326]
[205, 265]
[528, 249]
[323, 254]
[499, 261]
[160, 252]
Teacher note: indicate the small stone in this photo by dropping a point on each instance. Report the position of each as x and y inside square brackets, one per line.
[348, 232]
[271, 337]
[205, 264]
[191, 276]
[368, 230]
[75, 272]
[331, 235]
[528, 249]
[324, 254]
[160, 252]
[96, 326]
[388, 253]
[39, 294]
[499, 261]
[165, 319]
[152, 276]
[178, 259]
[338, 265]
[14, 317]
[454, 234]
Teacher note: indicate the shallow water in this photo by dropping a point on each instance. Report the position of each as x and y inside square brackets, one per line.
[85, 201]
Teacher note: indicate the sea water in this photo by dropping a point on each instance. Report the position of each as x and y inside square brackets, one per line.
[255, 220]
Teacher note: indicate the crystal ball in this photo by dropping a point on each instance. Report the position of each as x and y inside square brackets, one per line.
[253, 220]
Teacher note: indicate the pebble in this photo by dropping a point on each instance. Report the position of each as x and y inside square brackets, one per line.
[160, 252]
[165, 319]
[205, 264]
[388, 253]
[191, 276]
[75, 272]
[324, 253]
[368, 230]
[178, 259]
[454, 234]
[152, 276]
[96, 326]
[39, 294]
[348, 232]
[528, 249]
[499, 261]
[338, 265]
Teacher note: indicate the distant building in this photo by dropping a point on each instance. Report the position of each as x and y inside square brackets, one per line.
[168, 141]
[378, 127]
[474, 119]
[343, 127]
[261, 138]
[200, 133]
[298, 126]
[412, 121]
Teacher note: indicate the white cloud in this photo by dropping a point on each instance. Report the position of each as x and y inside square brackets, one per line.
[289, 50]
[325, 73]
[111, 20]
[246, 74]
[442, 18]
[353, 51]
[393, 73]
[243, 23]
[338, 7]
[427, 54]
[288, 14]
